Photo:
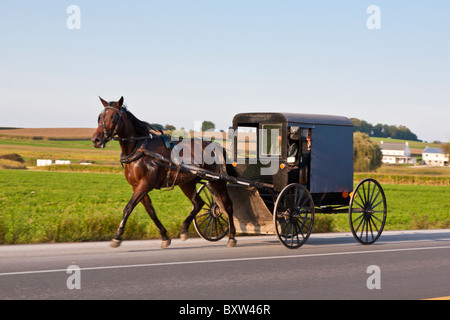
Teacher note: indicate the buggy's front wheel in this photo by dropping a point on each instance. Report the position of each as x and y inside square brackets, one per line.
[210, 223]
[293, 215]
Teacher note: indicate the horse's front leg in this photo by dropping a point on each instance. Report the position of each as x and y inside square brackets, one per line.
[137, 196]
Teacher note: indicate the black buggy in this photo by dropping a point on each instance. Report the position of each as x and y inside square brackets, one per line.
[283, 169]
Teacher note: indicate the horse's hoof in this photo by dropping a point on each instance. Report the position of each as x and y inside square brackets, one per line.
[115, 243]
[165, 244]
[184, 236]
[231, 243]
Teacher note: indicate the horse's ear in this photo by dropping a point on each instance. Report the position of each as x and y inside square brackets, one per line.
[120, 101]
[105, 104]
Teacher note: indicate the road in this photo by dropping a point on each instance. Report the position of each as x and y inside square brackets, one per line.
[401, 265]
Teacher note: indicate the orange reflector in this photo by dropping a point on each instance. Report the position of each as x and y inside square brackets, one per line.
[345, 194]
[282, 166]
[234, 164]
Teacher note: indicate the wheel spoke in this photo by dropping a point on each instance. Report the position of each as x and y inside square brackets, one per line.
[373, 222]
[364, 225]
[371, 196]
[302, 225]
[360, 205]
[376, 197]
[207, 217]
[373, 207]
[361, 216]
[286, 225]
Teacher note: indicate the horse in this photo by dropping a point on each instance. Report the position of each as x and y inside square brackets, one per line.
[141, 148]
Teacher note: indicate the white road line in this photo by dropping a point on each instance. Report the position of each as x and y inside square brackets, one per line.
[225, 260]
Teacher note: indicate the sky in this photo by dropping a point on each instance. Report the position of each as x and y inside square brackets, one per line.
[181, 62]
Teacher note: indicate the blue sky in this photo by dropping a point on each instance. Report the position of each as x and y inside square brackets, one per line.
[180, 61]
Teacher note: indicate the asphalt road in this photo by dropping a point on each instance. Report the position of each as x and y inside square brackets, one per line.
[401, 265]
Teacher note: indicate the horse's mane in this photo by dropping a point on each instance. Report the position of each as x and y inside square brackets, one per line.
[142, 127]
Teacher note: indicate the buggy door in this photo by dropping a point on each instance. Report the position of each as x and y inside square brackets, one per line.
[259, 150]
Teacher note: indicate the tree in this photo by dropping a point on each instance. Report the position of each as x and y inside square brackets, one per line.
[383, 130]
[169, 127]
[362, 126]
[208, 125]
[446, 147]
[366, 153]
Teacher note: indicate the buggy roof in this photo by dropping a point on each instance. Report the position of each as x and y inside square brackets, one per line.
[291, 118]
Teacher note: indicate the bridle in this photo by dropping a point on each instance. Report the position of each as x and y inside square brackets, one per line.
[116, 122]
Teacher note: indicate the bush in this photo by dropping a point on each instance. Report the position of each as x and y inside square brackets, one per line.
[366, 153]
[12, 157]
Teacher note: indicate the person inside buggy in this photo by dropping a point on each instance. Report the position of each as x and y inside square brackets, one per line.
[299, 155]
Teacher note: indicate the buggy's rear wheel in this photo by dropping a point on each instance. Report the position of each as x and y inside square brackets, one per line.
[367, 211]
[211, 223]
[293, 215]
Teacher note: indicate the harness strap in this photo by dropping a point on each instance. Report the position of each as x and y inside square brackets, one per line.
[137, 153]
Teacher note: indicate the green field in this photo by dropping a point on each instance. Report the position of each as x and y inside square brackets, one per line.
[62, 207]
[84, 203]
[40, 207]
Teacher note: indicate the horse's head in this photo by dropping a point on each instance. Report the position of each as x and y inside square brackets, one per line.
[108, 122]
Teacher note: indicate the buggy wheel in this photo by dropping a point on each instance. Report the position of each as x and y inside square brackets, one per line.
[367, 211]
[211, 224]
[293, 215]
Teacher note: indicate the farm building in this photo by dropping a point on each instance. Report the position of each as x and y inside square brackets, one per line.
[396, 153]
[434, 157]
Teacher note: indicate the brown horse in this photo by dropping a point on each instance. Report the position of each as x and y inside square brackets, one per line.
[144, 173]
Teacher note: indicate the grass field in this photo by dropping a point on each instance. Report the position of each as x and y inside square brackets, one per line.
[40, 207]
[62, 207]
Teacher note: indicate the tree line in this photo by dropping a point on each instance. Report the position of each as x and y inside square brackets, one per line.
[206, 125]
[383, 130]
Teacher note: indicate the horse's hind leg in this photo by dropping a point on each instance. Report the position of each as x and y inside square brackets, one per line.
[189, 189]
[146, 201]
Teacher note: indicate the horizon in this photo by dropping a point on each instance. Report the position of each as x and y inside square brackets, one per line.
[55, 137]
[181, 62]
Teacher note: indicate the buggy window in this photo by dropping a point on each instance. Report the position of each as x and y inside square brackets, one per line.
[270, 140]
[246, 142]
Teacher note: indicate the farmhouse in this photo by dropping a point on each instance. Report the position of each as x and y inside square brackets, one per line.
[396, 153]
[434, 157]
